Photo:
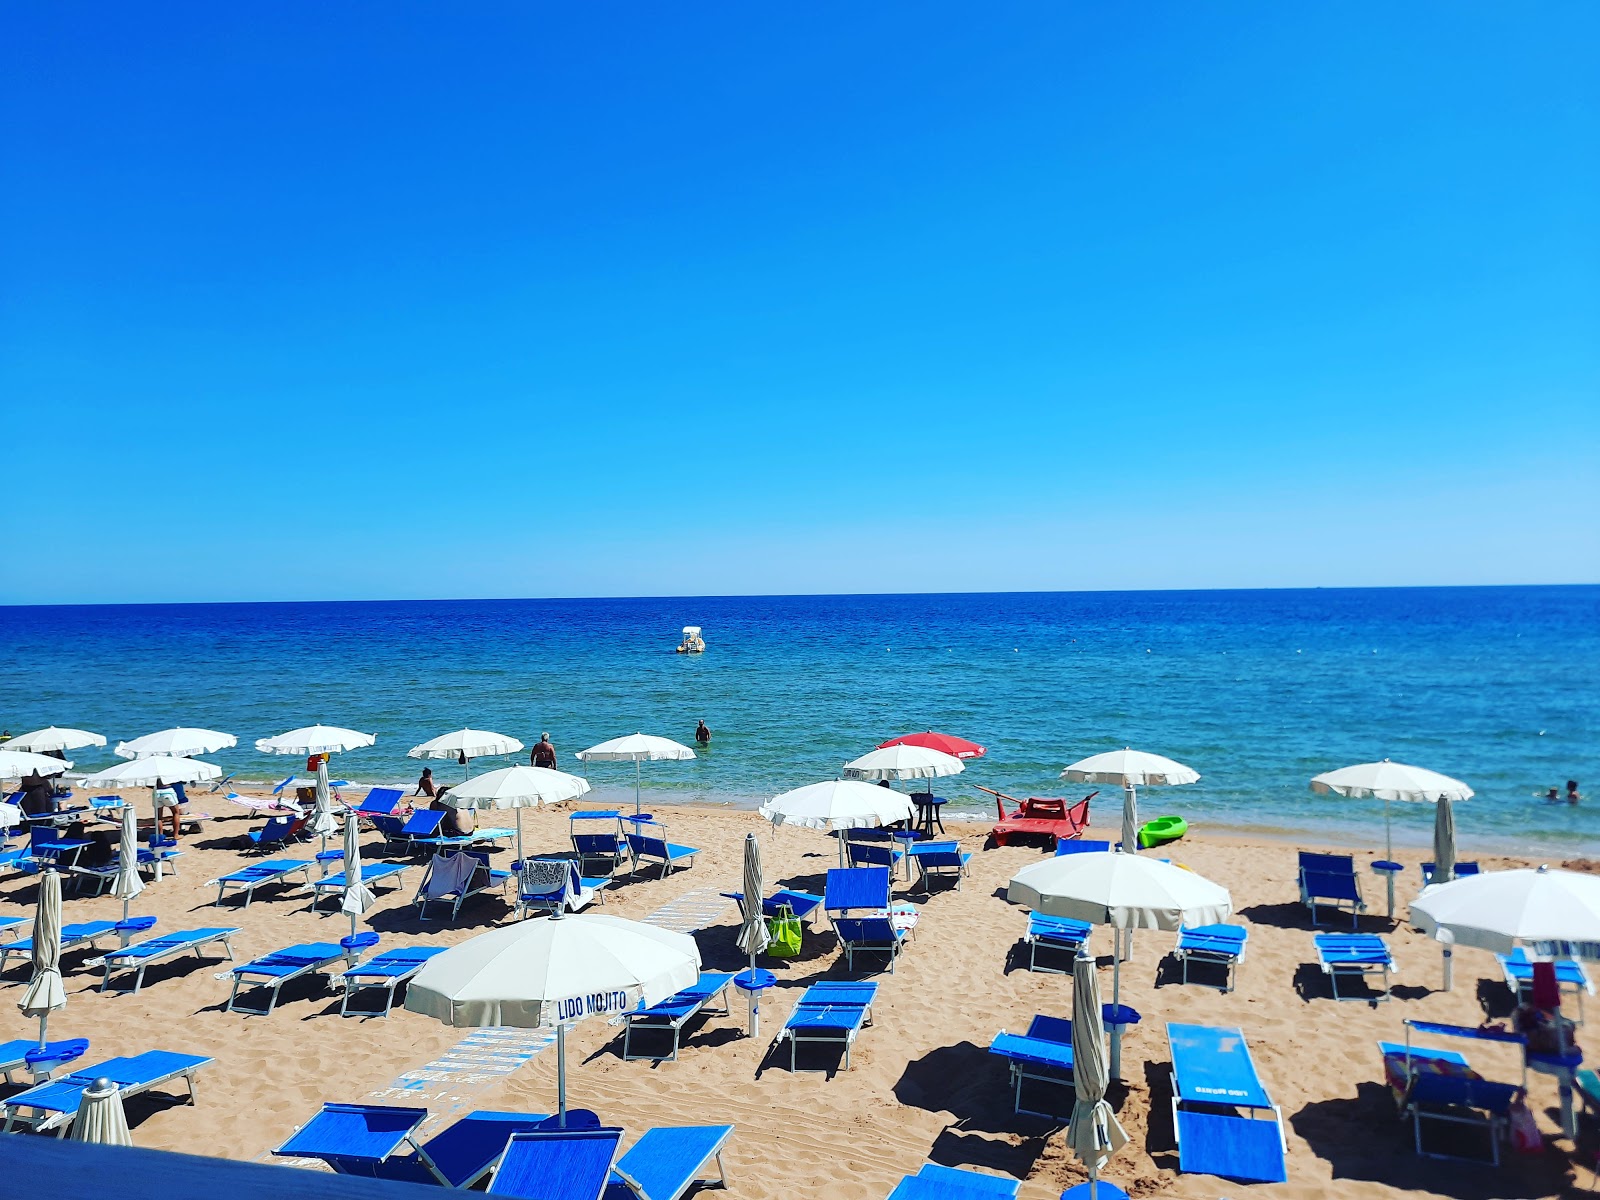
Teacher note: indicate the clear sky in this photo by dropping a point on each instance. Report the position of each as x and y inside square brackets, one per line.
[384, 300]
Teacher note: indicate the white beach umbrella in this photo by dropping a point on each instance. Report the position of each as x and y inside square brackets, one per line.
[42, 741]
[1130, 770]
[903, 762]
[144, 772]
[127, 884]
[101, 1118]
[19, 764]
[839, 804]
[637, 748]
[1095, 1134]
[517, 787]
[315, 739]
[357, 897]
[552, 972]
[753, 936]
[180, 742]
[1388, 781]
[465, 745]
[1556, 912]
[46, 993]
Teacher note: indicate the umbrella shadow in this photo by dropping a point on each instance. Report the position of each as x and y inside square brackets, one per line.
[1496, 1000]
[954, 1147]
[1289, 915]
[1345, 1133]
[967, 1082]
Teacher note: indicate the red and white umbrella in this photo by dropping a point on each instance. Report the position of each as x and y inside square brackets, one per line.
[945, 743]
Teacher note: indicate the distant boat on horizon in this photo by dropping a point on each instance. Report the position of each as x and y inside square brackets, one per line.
[692, 642]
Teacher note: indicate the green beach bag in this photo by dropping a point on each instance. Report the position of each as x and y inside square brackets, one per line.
[784, 932]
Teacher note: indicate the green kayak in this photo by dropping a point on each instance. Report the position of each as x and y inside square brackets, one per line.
[1161, 831]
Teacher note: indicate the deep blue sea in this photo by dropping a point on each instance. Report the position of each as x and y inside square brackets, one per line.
[1257, 690]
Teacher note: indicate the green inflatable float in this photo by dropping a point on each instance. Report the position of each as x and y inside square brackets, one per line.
[1161, 831]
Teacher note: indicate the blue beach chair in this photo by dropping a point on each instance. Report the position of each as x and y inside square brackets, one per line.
[1463, 869]
[372, 874]
[556, 1164]
[849, 889]
[537, 891]
[1043, 1054]
[872, 934]
[141, 956]
[1211, 1070]
[379, 802]
[1330, 881]
[804, 905]
[871, 854]
[649, 848]
[248, 879]
[1054, 933]
[379, 1141]
[276, 833]
[1570, 975]
[73, 937]
[1213, 945]
[934, 1182]
[676, 1011]
[666, 1162]
[455, 878]
[598, 840]
[406, 834]
[1354, 956]
[272, 971]
[54, 1105]
[1439, 1086]
[940, 859]
[829, 1012]
[1079, 846]
[384, 972]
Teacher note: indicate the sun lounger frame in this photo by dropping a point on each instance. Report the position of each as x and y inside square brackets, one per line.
[1219, 1097]
[824, 999]
[249, 878]
[1042, 1055]
[179, 1066]
[88, 933]
[372, 874]
[635, 1162]
[309, 965]
[177, 944]
[1054, 933]
[1330, 880]
[1355, 956]
[1208, 944]
[942, 859]
[864, 935]
[658, 1017]
[364, 977]
[643, 847]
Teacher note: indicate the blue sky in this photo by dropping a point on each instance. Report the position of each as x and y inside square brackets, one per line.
[389, 300]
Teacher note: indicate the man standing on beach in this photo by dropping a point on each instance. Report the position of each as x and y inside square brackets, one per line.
[543, 754]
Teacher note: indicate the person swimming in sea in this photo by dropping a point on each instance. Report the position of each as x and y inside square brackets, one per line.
[702, 734]
[1573, 795]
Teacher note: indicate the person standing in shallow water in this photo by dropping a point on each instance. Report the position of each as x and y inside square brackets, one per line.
[701, 734]
[543, 753]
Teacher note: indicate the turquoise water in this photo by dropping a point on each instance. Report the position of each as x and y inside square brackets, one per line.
[1257, 691]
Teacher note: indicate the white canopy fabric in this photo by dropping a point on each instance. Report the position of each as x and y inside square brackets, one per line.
[1499, 910]
[636, 747]
[357, 896]
[101, 1118]
[1444, 841]
[323, 823]
[143, 772]
[41, 741]
[904, 762]
[839, 804]
[535, 973]
[46, 992]
[1120, 890]
[519, 788]
[1130, 768]
[19, 764]
[127, 884]
[474, 743]
[180, 742]
[315, 739]
[1094, 1134]
[1390, 781]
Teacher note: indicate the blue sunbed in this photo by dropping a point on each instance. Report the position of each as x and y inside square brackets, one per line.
[804, 905]
[378, 1141]
[872, 934]
[848, 888]
[556, 1164]
[423, 823]
[676, 1011]
[372, 874]
[1215, 945]
[54, 1105]
[829, 1012]
[935, 1182]
[574, 893]
[666, 1162]
[1438, 1085]
[455, 878]
[141, 956]
[646, 847]
[940, 859]
[1570, 974]
[12, 926]
[275, 833]
[384, 972]
[248, 879]
[41, 1062]
[73, 937]
[597, 838]
[872, 854]
[1054, 933]
[1079, 846]
[379, 802]
[1354, 956]
[1043, 1054]
[1330, 881]
[1462, 870]
[272, 971]
[1212, 1068]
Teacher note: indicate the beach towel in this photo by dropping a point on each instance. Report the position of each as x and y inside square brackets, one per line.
[450, 874]
[540, 877]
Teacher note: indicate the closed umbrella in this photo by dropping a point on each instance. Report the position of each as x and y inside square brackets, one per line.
[637, 748]
[19, 764]
[519, 788]
[358, 896]
[44, 741]
[1444, 841]
[903, 761]
[839, 804]
[100, 1116]
[1095, 1134]
[127, 884]
[323, 823]
[1130, 770]
[178, 742]
[464, 745]
[46, 992]
[753, 936]
[538, 973]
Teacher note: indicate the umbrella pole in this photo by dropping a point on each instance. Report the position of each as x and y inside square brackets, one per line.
[561, 1074]
[519, 837]
[637, 770]
[1449, 968]
[1116, 1030]
[1388, 839]
[755, 1001]
[44, 1024]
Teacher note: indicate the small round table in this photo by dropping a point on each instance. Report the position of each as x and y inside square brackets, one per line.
[928, 806]
[753, 981]
[1388, 870]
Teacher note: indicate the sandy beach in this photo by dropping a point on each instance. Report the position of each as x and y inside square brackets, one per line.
[922, 1085]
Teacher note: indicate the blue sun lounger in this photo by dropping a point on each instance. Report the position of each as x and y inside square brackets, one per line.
[276, 833]
[556, 1164]
[378, 1141]
[379, 802]
[940, 859]
[1214, 945]
[666, 1162]
[644, 847]
[41, 1062]
[804, 905]
[371, 875]
[385, 973]
[1462, 870]
[1330, 880]
[829, 1012]
[575, 892]
[455, 878]
[1079, 846]
[850, 888]
[1518, 970]
[873, 935]
[272, 971]
[597, 838]
[1211, 1071]
[12, 926]
[676, 1011]
[73, 937]
[1439, 1085]
[1355, 956]
[1054, 933]
[248, 879]
[141, 956]
[423, 823]
[934, 1182]
[1043, 1054]
[54, 1105]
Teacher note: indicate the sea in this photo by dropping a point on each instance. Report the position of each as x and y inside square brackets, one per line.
[1256, 690]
